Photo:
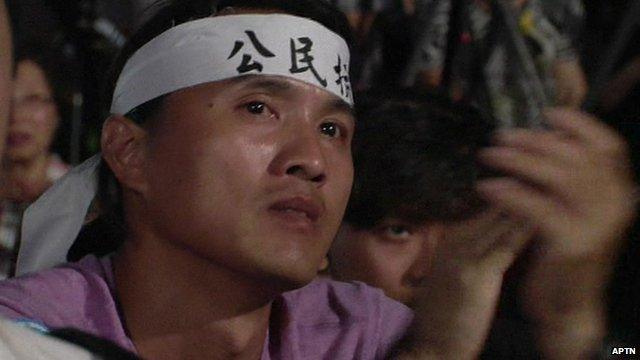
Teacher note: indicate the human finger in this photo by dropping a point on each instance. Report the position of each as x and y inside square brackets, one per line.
[476, 236]
[532, 168]
[551, 144]
[526, 202]
[588, 130]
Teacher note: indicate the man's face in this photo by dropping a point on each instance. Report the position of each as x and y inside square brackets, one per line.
[253, 174]
[393, 256]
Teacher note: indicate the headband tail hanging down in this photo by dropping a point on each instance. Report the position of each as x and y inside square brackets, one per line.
[52, 223]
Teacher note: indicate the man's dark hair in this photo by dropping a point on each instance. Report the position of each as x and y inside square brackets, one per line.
[415, 159]
[108, 232]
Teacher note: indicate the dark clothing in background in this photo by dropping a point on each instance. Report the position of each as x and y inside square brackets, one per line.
[481, 67]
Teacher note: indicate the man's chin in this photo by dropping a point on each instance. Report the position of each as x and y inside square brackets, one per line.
[290, 281]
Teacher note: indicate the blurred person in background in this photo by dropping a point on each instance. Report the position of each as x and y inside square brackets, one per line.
[385, 32]
[415, 169]
[415, 221]
[28, 166]
[17, 342]
[463, 50]
[387, 46]
[6, 61]
[361, 14]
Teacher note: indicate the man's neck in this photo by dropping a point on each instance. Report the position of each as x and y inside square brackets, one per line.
[178, 305]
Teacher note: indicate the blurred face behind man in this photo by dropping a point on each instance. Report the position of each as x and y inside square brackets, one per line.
[252, 174]
[394, 256]
[34, 117]
[5, 71]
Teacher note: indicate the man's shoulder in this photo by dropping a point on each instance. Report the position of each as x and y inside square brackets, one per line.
[342, 300]
[58, 297]
[331, 319]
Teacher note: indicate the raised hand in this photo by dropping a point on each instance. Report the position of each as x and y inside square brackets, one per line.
[457, 304]
[574, 184]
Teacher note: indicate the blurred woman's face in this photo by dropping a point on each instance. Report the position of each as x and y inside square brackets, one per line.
[34, 117]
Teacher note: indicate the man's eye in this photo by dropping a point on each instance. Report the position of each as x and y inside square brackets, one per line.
[256, 107]
[330, 129]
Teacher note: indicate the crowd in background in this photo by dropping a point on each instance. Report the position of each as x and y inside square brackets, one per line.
[510, 61]
[85, 35]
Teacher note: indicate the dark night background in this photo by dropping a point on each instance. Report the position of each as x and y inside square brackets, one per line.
[75, 29]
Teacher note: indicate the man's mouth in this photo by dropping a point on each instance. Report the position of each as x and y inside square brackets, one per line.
[298, 209]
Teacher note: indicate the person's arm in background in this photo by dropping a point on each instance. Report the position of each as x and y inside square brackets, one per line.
[360, 17]
[352, 10]
[570, 81]
[427, 64]
[574, 183]
[6, 61]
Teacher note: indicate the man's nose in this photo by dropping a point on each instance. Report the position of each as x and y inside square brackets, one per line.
[301, 155]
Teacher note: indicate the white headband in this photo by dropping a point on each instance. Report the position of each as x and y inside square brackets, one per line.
[224, 47]
[193, 53]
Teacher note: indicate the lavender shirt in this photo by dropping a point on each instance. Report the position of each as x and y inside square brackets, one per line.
[324, 320]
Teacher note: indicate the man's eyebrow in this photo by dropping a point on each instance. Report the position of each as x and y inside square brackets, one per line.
[339, 105]
[277, 86]
[269, 84]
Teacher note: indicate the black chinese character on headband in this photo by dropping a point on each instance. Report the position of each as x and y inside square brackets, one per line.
[300, 56]
[342, 70]
[248, 64]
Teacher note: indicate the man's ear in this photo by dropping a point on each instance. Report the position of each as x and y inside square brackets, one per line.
[124, 149]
